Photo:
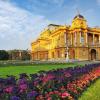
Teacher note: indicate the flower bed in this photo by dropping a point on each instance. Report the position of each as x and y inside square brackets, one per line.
[60, 84]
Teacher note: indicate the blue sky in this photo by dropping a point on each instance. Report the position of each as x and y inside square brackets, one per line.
[21, 21]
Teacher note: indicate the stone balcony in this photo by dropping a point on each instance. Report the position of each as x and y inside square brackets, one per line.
[94, 45]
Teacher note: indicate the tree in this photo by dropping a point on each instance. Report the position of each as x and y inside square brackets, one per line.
[25, 55]
[4, 55]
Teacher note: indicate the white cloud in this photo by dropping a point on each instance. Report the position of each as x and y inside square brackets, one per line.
[18, 27]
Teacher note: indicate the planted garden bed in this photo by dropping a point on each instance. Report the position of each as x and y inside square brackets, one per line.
[60, 84]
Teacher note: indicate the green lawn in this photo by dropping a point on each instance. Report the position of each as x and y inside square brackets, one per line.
[92, 93]
[15, 70]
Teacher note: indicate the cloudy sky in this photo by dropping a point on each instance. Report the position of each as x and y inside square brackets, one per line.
[21, 21]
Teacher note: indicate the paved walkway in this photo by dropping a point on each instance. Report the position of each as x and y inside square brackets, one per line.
[47, 62]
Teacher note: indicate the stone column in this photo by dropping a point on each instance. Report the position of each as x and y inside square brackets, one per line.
[65, 38]
[75, 39]
[37, 56]
[86, 38]
[99, 39]
[71, 39]
[67, 52]
[93, 39]
[80, 37]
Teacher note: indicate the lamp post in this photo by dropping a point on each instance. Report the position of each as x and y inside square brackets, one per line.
[67, 48]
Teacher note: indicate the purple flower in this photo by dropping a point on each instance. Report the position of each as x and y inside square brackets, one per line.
[32, 94]
[22, 81]
[10, 80]
[23, 87]
[15, 90]
[23, 75]
[15, 98]
[1, 91]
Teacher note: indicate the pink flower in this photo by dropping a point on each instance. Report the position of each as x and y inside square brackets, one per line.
[65, 94]
[50, 93]
[8, 89]
[49, 98]
[67, 74]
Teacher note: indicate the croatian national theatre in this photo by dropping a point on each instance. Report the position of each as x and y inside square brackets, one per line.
[77, 41]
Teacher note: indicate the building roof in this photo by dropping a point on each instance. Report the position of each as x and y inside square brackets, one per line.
[54, 25]
[79, 16]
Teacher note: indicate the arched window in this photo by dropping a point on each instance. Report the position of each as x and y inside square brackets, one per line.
[52, 54]
[58, 54]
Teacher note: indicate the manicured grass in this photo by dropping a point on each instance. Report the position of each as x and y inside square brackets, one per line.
[92, 93]
[15, 70]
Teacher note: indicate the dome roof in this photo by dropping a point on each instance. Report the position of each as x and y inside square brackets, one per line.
[78, 16]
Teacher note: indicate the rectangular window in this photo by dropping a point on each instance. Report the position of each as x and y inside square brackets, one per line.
[82, 38]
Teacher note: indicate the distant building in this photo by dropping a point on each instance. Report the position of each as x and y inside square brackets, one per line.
[19, 55]
[58, 42]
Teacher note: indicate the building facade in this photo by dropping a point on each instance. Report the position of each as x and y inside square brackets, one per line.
[77, 41]
[19, 54]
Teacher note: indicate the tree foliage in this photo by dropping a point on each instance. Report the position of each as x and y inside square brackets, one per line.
[4, 55]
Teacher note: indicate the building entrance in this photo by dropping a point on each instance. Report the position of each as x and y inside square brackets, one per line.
[93, 54]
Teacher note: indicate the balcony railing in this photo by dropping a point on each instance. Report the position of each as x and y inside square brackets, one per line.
[79, 45]
[85, 45]
[94, 44]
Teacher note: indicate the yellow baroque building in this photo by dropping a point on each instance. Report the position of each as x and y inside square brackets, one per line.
[74, 42]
